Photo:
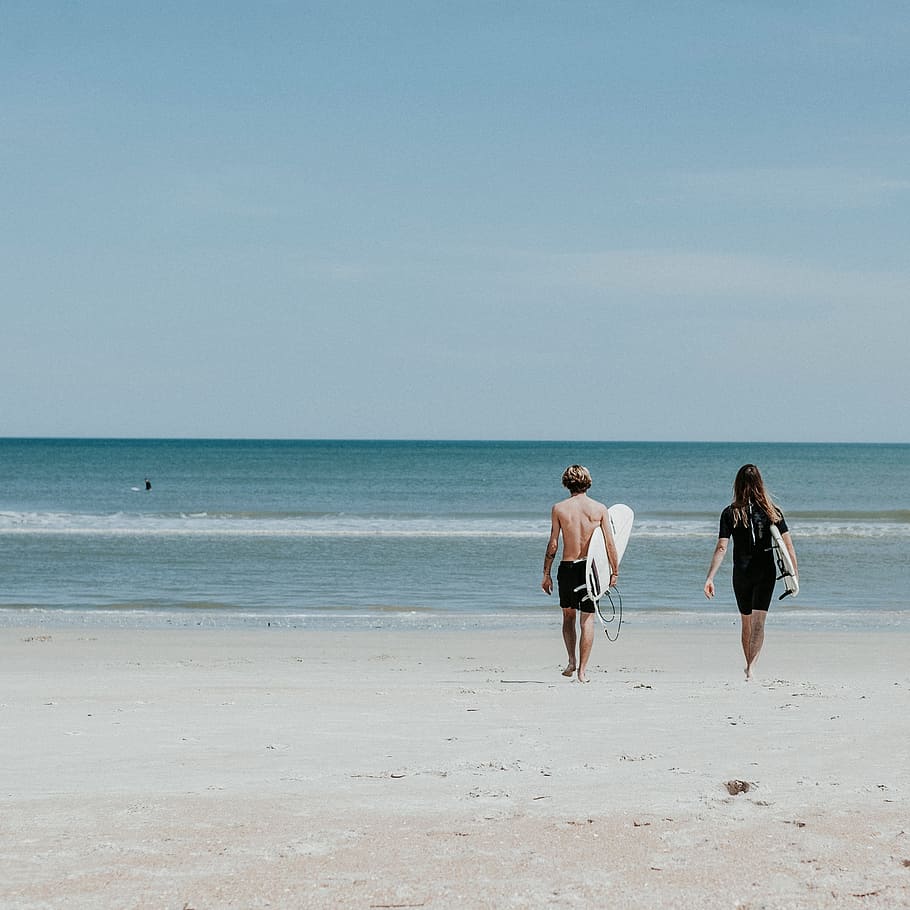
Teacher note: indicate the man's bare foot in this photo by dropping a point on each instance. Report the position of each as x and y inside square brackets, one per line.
[569, 670]
[748, 672]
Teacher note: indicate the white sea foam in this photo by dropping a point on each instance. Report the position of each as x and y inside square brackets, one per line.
[404, 618]
[203, 524]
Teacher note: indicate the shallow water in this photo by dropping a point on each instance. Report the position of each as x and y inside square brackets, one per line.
[301, 531]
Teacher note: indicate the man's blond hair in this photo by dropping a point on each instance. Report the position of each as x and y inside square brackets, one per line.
[576, 478]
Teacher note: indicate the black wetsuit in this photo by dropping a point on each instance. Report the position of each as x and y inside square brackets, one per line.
[754, 570]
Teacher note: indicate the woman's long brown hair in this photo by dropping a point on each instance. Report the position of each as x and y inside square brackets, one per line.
[750, 488]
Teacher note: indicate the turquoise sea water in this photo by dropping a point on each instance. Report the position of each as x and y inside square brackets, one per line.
[316, 531]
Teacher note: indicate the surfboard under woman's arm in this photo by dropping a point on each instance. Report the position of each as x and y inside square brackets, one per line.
[788, 543]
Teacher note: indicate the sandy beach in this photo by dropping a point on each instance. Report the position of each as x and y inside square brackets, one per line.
[227, 768]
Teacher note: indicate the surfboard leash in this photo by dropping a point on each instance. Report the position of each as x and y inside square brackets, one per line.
[617, 612]
[781, 568]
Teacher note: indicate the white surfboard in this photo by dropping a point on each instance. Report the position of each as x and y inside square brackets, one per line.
[785, 568]
[597, 566]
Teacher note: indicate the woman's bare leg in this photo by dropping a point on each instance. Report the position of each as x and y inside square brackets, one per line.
[756, 641]
[746, 639]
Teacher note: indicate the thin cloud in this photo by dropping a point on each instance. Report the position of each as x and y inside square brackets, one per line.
[794, 188]
[712, 274]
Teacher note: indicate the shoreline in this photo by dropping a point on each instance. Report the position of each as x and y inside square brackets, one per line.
[409, 619]
[322, 768]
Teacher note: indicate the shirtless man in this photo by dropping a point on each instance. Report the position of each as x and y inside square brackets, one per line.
[576, 518]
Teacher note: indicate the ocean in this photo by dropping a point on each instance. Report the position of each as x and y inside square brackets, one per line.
[318, 532]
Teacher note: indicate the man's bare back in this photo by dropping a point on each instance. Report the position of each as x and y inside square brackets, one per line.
[577, 517]
[574, 519]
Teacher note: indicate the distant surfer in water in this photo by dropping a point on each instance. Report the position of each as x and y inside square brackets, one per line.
[148, 485]
[575, 519]
[748, 521]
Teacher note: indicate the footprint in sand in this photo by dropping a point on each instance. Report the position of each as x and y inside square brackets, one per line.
[735, 787]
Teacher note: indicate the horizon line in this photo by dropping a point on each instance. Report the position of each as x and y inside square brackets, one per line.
[448, 440]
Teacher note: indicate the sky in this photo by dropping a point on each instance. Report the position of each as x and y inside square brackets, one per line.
[455, 220]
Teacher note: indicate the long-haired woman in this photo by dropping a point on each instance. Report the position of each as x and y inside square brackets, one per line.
[747, 520]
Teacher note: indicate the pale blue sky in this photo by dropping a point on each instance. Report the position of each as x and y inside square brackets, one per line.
[563, 220]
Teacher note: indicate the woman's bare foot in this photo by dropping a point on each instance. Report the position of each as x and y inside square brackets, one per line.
[582, 677]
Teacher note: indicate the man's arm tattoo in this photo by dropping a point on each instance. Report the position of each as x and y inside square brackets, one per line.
[548, 559]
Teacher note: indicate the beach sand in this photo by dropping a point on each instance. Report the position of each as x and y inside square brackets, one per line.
[287, 768]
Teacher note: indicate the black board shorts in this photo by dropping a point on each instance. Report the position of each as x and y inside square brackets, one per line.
[573, 589]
